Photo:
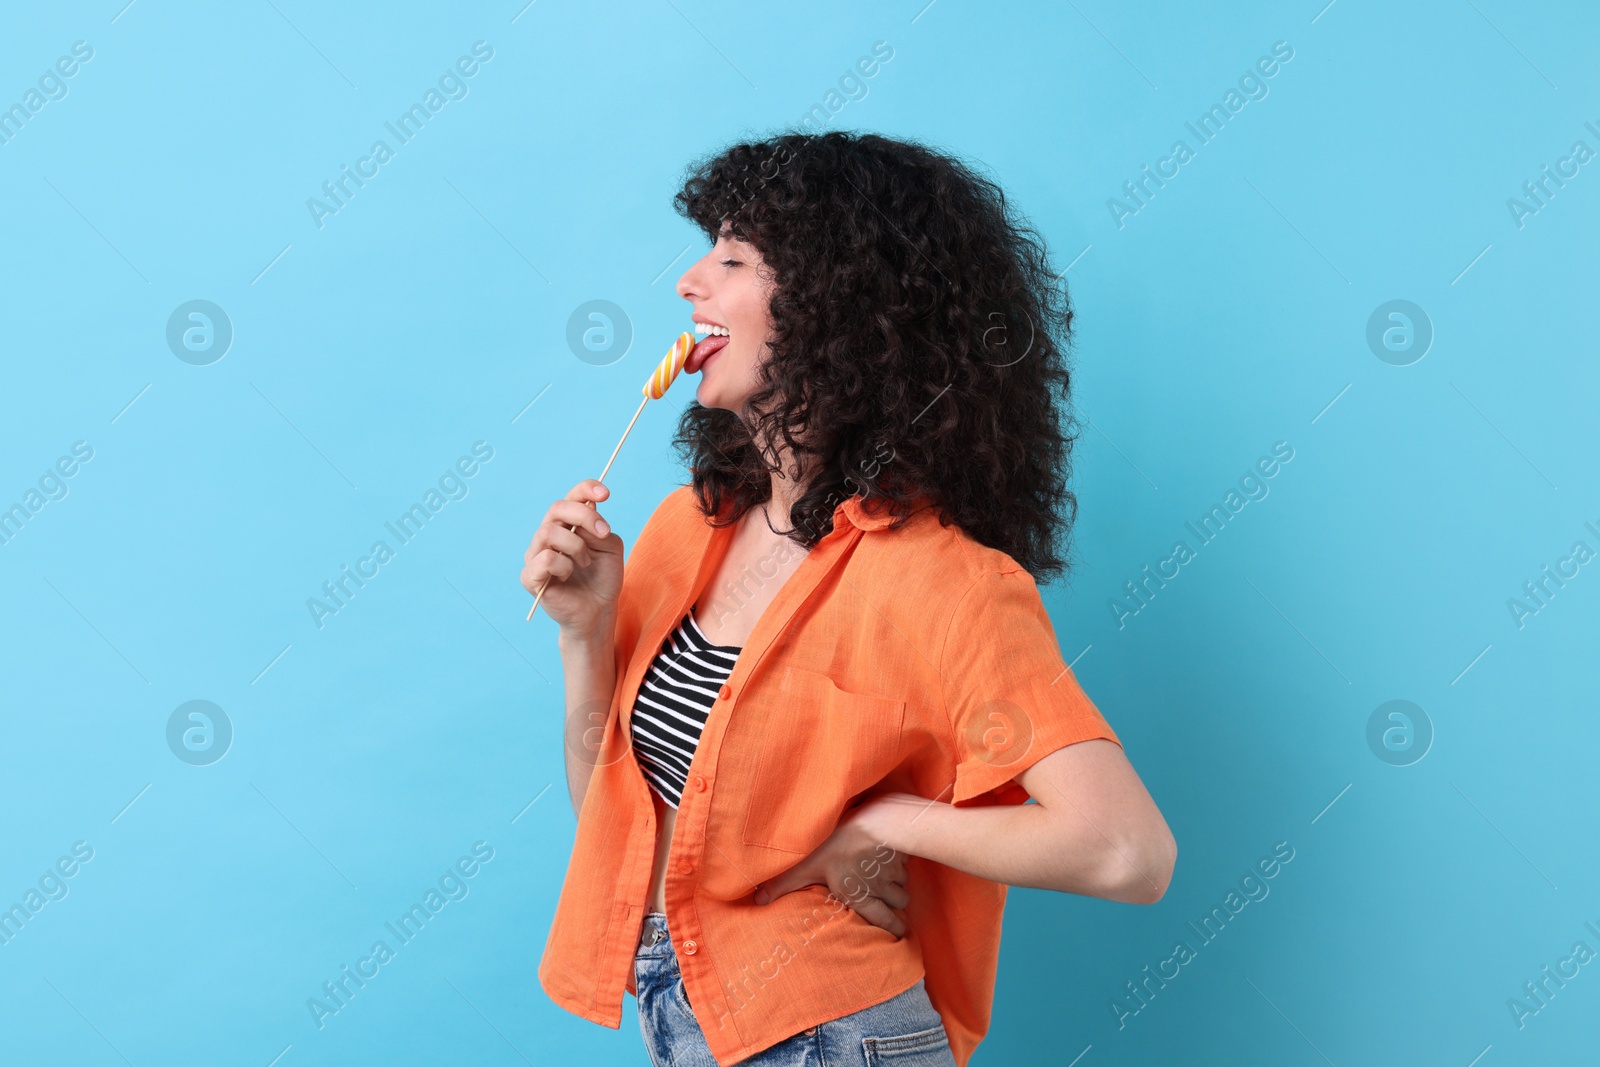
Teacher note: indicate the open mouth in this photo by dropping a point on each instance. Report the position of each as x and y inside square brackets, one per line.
[713, 340]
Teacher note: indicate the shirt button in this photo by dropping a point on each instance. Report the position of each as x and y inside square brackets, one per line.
[689, 947]
[811, 1029]
[686, 867]
[725, 692]
[699, 783]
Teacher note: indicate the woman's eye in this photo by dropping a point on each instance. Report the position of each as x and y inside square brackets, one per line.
[730, 263]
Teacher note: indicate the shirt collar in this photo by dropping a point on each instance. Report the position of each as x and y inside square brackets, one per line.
[852, 509]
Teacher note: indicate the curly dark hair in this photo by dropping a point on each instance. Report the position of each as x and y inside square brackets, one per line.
[919, 344]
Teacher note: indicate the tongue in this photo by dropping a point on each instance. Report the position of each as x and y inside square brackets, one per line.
[703, 350]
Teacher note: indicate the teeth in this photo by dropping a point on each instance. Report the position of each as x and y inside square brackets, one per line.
[715, 331]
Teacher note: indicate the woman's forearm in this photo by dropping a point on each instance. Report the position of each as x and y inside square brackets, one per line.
[589, 670]
[1024, 845]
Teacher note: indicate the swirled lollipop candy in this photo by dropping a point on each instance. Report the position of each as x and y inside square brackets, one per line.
[661, 379]
[670, 366]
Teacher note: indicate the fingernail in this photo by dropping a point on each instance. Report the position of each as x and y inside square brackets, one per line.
[600, 524]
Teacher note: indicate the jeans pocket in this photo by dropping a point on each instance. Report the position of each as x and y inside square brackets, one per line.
[681, 995]
[930, 1046]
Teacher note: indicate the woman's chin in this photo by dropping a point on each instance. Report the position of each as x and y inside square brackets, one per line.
[709, 396]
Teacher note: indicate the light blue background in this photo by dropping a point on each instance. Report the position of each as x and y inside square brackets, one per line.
[1228, 314]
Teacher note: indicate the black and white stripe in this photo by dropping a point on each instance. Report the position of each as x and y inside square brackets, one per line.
[670, 711]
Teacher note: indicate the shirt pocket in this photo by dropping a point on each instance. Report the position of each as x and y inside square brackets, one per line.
[820, 746]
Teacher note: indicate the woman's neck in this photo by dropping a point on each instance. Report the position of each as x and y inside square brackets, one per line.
[787, 488]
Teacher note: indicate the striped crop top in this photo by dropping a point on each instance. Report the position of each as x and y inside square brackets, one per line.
[672, 705]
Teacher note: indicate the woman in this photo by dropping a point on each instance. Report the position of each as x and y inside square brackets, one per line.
[803, 722]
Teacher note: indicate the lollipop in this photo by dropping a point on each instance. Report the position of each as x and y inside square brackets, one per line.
[669, 367]
[660, 379]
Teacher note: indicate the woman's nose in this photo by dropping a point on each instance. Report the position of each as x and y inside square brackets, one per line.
[690, 284]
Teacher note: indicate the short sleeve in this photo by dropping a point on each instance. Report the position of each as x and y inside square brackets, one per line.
[1009, 694]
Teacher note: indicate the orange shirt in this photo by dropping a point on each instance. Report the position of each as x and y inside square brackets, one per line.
[913, 660]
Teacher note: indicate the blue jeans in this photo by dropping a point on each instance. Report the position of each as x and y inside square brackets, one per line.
[903, 1031]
